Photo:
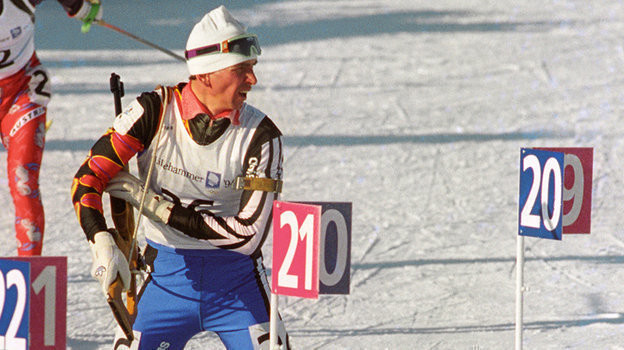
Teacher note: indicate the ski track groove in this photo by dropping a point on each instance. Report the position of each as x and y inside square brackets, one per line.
[293, 153]
[372, 243]
[559, 270]
[334, 80]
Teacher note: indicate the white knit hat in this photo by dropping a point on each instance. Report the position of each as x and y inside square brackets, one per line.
[217, 26]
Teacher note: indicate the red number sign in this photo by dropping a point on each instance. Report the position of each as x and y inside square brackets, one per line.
[577, 188]
[296, 232]
[48, 301]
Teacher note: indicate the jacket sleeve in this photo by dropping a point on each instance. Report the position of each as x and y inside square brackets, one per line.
[131, 133]
[70, 6]
[247, 230]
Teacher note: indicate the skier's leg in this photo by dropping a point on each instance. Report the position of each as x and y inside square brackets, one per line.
[23, 131]
[243, 314]
[24, 100]
[168, 308]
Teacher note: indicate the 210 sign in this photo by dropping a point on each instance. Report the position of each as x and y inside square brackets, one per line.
[292, 241]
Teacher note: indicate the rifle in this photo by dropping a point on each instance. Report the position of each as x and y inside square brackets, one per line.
[123, 217]
[125, 229]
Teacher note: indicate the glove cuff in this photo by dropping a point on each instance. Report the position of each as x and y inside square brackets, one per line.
[84, 10]
[163, 211]
[89, 11]
[102, 239]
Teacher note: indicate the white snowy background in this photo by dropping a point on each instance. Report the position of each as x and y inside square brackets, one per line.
[415, 111]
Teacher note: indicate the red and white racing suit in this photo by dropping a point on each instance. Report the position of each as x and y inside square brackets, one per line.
[24, 94]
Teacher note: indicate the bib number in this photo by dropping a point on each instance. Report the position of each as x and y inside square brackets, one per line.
[4, 60]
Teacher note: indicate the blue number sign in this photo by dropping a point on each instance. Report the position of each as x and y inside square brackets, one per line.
[14, 304]
[541, 193]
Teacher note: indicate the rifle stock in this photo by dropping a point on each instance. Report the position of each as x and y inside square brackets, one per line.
[121, 314]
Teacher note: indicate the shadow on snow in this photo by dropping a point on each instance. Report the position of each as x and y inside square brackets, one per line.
[607, 259]
[350, 140]
[501, 327]
[168, 24]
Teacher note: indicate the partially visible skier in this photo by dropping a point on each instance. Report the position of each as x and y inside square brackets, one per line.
[24, 95]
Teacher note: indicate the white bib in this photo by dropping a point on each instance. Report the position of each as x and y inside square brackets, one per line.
[195, 173]
[17, 38]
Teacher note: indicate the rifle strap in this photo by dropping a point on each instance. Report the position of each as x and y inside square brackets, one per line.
[165, 95]
[258, 184]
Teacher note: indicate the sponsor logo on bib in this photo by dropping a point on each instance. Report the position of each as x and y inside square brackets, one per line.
[15, 32]
[213, 180]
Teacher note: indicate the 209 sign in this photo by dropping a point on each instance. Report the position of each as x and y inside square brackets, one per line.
[555, 191]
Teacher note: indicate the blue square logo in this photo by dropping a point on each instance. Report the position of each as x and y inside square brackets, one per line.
[15, 32]
[213, 180]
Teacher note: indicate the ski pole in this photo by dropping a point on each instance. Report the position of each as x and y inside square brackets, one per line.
[141, 40]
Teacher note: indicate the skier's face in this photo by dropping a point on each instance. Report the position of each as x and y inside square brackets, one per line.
[231, 85]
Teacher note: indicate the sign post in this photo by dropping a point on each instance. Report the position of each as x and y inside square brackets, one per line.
[311, 252]
[295, 270]
[555, 199]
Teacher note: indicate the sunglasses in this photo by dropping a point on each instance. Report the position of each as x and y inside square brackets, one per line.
[243, 45]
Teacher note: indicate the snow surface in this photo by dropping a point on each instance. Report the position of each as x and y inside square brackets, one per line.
[415, 111]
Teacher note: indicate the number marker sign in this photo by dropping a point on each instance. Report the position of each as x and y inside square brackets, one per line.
[577, 188]
[296, 233]
[546, 179]
[47, 299]
[541, 193]
[335, 247]
[14, 304]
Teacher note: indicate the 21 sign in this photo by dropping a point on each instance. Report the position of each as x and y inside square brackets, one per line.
[296, 233]
[555, 191]
[33, 303]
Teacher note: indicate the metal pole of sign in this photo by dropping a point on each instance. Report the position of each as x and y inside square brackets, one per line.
[519, 289]
[273, 320]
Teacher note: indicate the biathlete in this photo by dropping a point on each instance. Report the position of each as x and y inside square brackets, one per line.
[204, 236]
